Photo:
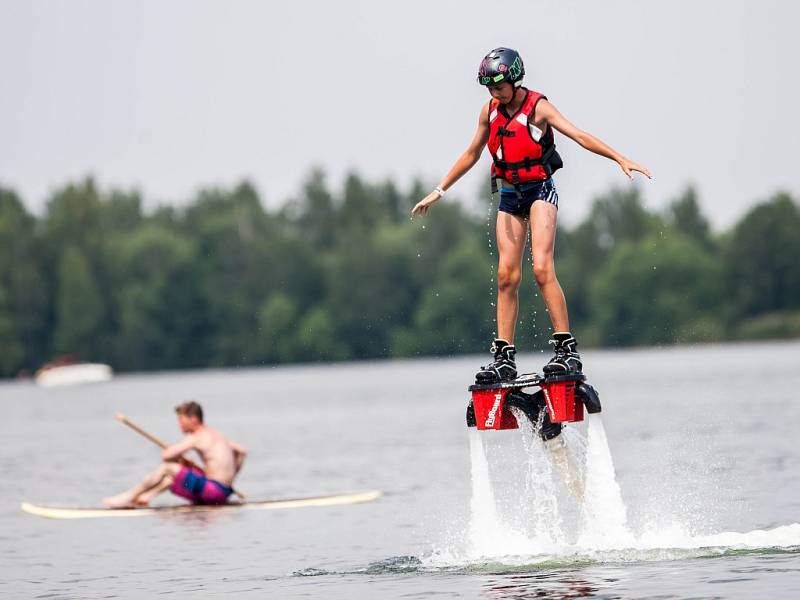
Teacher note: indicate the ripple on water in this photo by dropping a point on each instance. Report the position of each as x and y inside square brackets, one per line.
[310, 572]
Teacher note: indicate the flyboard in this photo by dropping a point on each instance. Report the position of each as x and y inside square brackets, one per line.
[560, 399]
[65, 512]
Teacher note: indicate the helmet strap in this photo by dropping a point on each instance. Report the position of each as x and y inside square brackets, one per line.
[514, 96]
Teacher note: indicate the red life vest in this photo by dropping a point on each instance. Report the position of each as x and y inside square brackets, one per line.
[518, 156]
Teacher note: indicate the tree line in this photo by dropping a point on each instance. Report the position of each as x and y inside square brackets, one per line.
[345, 274]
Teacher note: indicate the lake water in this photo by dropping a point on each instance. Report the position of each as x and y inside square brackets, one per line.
[704, 441]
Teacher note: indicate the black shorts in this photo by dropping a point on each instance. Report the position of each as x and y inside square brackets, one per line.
[531, 192]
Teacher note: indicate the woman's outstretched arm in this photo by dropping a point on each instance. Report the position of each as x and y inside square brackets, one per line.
[546, 112]
[463, 164]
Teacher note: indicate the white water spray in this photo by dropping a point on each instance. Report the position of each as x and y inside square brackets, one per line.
[568, 497]
[540, 504]
[484, 523]
[551, 525]
[490, 535]
[604, 512]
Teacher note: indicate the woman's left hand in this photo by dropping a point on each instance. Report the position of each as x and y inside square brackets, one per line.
[421, 207]
[628, 166]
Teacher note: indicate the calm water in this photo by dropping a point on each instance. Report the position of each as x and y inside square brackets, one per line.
[705, 440]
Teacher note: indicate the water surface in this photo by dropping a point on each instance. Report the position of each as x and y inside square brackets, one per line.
[704, 441]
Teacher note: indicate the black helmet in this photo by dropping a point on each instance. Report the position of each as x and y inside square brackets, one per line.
[501, 64]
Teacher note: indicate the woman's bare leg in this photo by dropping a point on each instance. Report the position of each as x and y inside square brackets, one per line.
[512, 233]
[543, 236]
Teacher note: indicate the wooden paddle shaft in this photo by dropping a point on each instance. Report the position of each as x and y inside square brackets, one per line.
[161, 444]
[141, 431]
[157, 441]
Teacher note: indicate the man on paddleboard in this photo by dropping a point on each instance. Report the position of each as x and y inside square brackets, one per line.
[517, 125]
[222, 460]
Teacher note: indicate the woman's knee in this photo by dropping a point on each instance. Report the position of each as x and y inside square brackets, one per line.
[544, 271]
[508, 279]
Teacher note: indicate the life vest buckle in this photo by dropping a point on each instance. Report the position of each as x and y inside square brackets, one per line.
[502, 130]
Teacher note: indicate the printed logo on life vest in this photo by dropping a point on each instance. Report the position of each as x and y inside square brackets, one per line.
[498, 398]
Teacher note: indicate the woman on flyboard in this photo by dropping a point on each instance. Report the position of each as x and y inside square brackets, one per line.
[517, 125]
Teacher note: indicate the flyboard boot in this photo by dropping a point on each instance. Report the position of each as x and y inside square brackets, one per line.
[562, 397]
[504, 367]
[566, 360]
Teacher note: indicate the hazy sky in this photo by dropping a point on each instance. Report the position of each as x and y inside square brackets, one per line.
[170, 96]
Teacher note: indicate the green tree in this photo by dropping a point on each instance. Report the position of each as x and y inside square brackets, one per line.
[362, 208]
[657, 290]
[364, 289]
[23, 293]
[81, 217]
[685, 216]
[79, 308]
[13, 355]
[318, 338]
[73, 218]
[455, 312]
[761, 266]
[278, 330]
[347, 274]
[161, 312]
[244, 255]
[314, 213]
[616, 217]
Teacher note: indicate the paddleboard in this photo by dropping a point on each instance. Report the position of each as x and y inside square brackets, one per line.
[66, 512]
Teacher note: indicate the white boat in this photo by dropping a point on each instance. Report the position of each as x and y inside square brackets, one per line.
[73, 374]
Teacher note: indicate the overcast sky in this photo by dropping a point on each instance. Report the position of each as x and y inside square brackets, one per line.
[169, 96]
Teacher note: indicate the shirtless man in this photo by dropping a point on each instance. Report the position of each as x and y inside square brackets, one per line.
[222, 460]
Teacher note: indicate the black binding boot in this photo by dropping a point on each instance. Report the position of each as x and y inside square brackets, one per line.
[503, 368]
[566, 361]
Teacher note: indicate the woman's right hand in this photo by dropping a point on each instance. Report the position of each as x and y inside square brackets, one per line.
[421, 207]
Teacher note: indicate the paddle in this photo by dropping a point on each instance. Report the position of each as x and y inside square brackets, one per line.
[161, 444]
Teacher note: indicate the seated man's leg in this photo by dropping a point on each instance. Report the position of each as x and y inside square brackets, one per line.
[171, 471]
[152, 480]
